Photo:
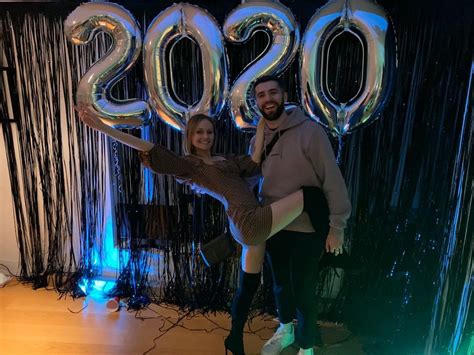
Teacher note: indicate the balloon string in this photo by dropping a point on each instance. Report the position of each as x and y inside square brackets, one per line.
[339, 150]
[118, 174]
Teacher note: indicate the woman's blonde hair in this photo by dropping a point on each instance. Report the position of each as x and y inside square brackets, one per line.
[191, 128]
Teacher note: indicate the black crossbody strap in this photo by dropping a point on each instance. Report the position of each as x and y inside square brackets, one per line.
[269, 146]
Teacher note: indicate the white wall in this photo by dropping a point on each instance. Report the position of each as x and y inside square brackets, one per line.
[9, 254]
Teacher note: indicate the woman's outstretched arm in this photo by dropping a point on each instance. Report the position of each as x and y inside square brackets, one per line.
[154, 156]
[93, 121]
[258, 145]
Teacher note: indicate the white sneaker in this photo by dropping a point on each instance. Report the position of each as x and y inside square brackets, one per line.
[306, 352]
[283, 337]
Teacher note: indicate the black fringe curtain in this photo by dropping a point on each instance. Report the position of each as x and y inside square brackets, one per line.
[410, 177]
[41, 172]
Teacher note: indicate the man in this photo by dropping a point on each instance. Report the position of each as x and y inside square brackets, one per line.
[302, 156]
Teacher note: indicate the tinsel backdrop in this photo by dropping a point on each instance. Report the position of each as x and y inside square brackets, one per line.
[410, 178]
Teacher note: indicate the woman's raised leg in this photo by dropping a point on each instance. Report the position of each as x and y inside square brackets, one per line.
[310, 199]
[284, 211]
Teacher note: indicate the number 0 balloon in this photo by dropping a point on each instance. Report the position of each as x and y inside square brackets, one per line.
[178, 21]
[368, 22]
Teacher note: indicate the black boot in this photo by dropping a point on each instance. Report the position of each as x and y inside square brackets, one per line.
[316, 205]
[248, 284]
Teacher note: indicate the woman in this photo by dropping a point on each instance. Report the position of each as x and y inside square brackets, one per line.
[224, 179]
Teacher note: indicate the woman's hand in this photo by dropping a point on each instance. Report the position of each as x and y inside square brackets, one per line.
[90, 118]
[258, 143]
[260, 128]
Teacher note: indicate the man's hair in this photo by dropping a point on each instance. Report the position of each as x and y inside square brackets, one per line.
[265, 78]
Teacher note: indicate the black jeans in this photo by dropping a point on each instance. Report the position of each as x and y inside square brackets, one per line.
[293, 258]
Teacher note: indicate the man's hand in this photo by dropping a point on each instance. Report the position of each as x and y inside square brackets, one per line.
[334, 241]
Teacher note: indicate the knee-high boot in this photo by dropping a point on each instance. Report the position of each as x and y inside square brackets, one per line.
[248, 284]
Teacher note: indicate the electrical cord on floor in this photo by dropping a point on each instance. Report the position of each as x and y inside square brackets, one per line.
[174, 325]
[79, 311]
[189, 315]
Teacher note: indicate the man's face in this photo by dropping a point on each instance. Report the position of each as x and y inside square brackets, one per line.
[270, 100]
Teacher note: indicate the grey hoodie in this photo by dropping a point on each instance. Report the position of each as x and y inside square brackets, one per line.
[303, 156]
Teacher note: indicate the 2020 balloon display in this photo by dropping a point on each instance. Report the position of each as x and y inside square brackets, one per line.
[363, 19]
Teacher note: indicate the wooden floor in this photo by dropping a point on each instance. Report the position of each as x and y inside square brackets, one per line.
[36, 322]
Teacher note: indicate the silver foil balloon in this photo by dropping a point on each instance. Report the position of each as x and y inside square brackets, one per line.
[94, 88]
[174, 23]
[277, 20]
[368, 22]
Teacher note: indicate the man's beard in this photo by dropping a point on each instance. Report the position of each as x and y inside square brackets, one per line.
[275, 114]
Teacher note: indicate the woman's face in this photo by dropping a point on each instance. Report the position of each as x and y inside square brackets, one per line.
[203, 137]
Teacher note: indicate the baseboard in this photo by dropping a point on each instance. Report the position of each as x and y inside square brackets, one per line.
[8, 269]
[10, 264]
